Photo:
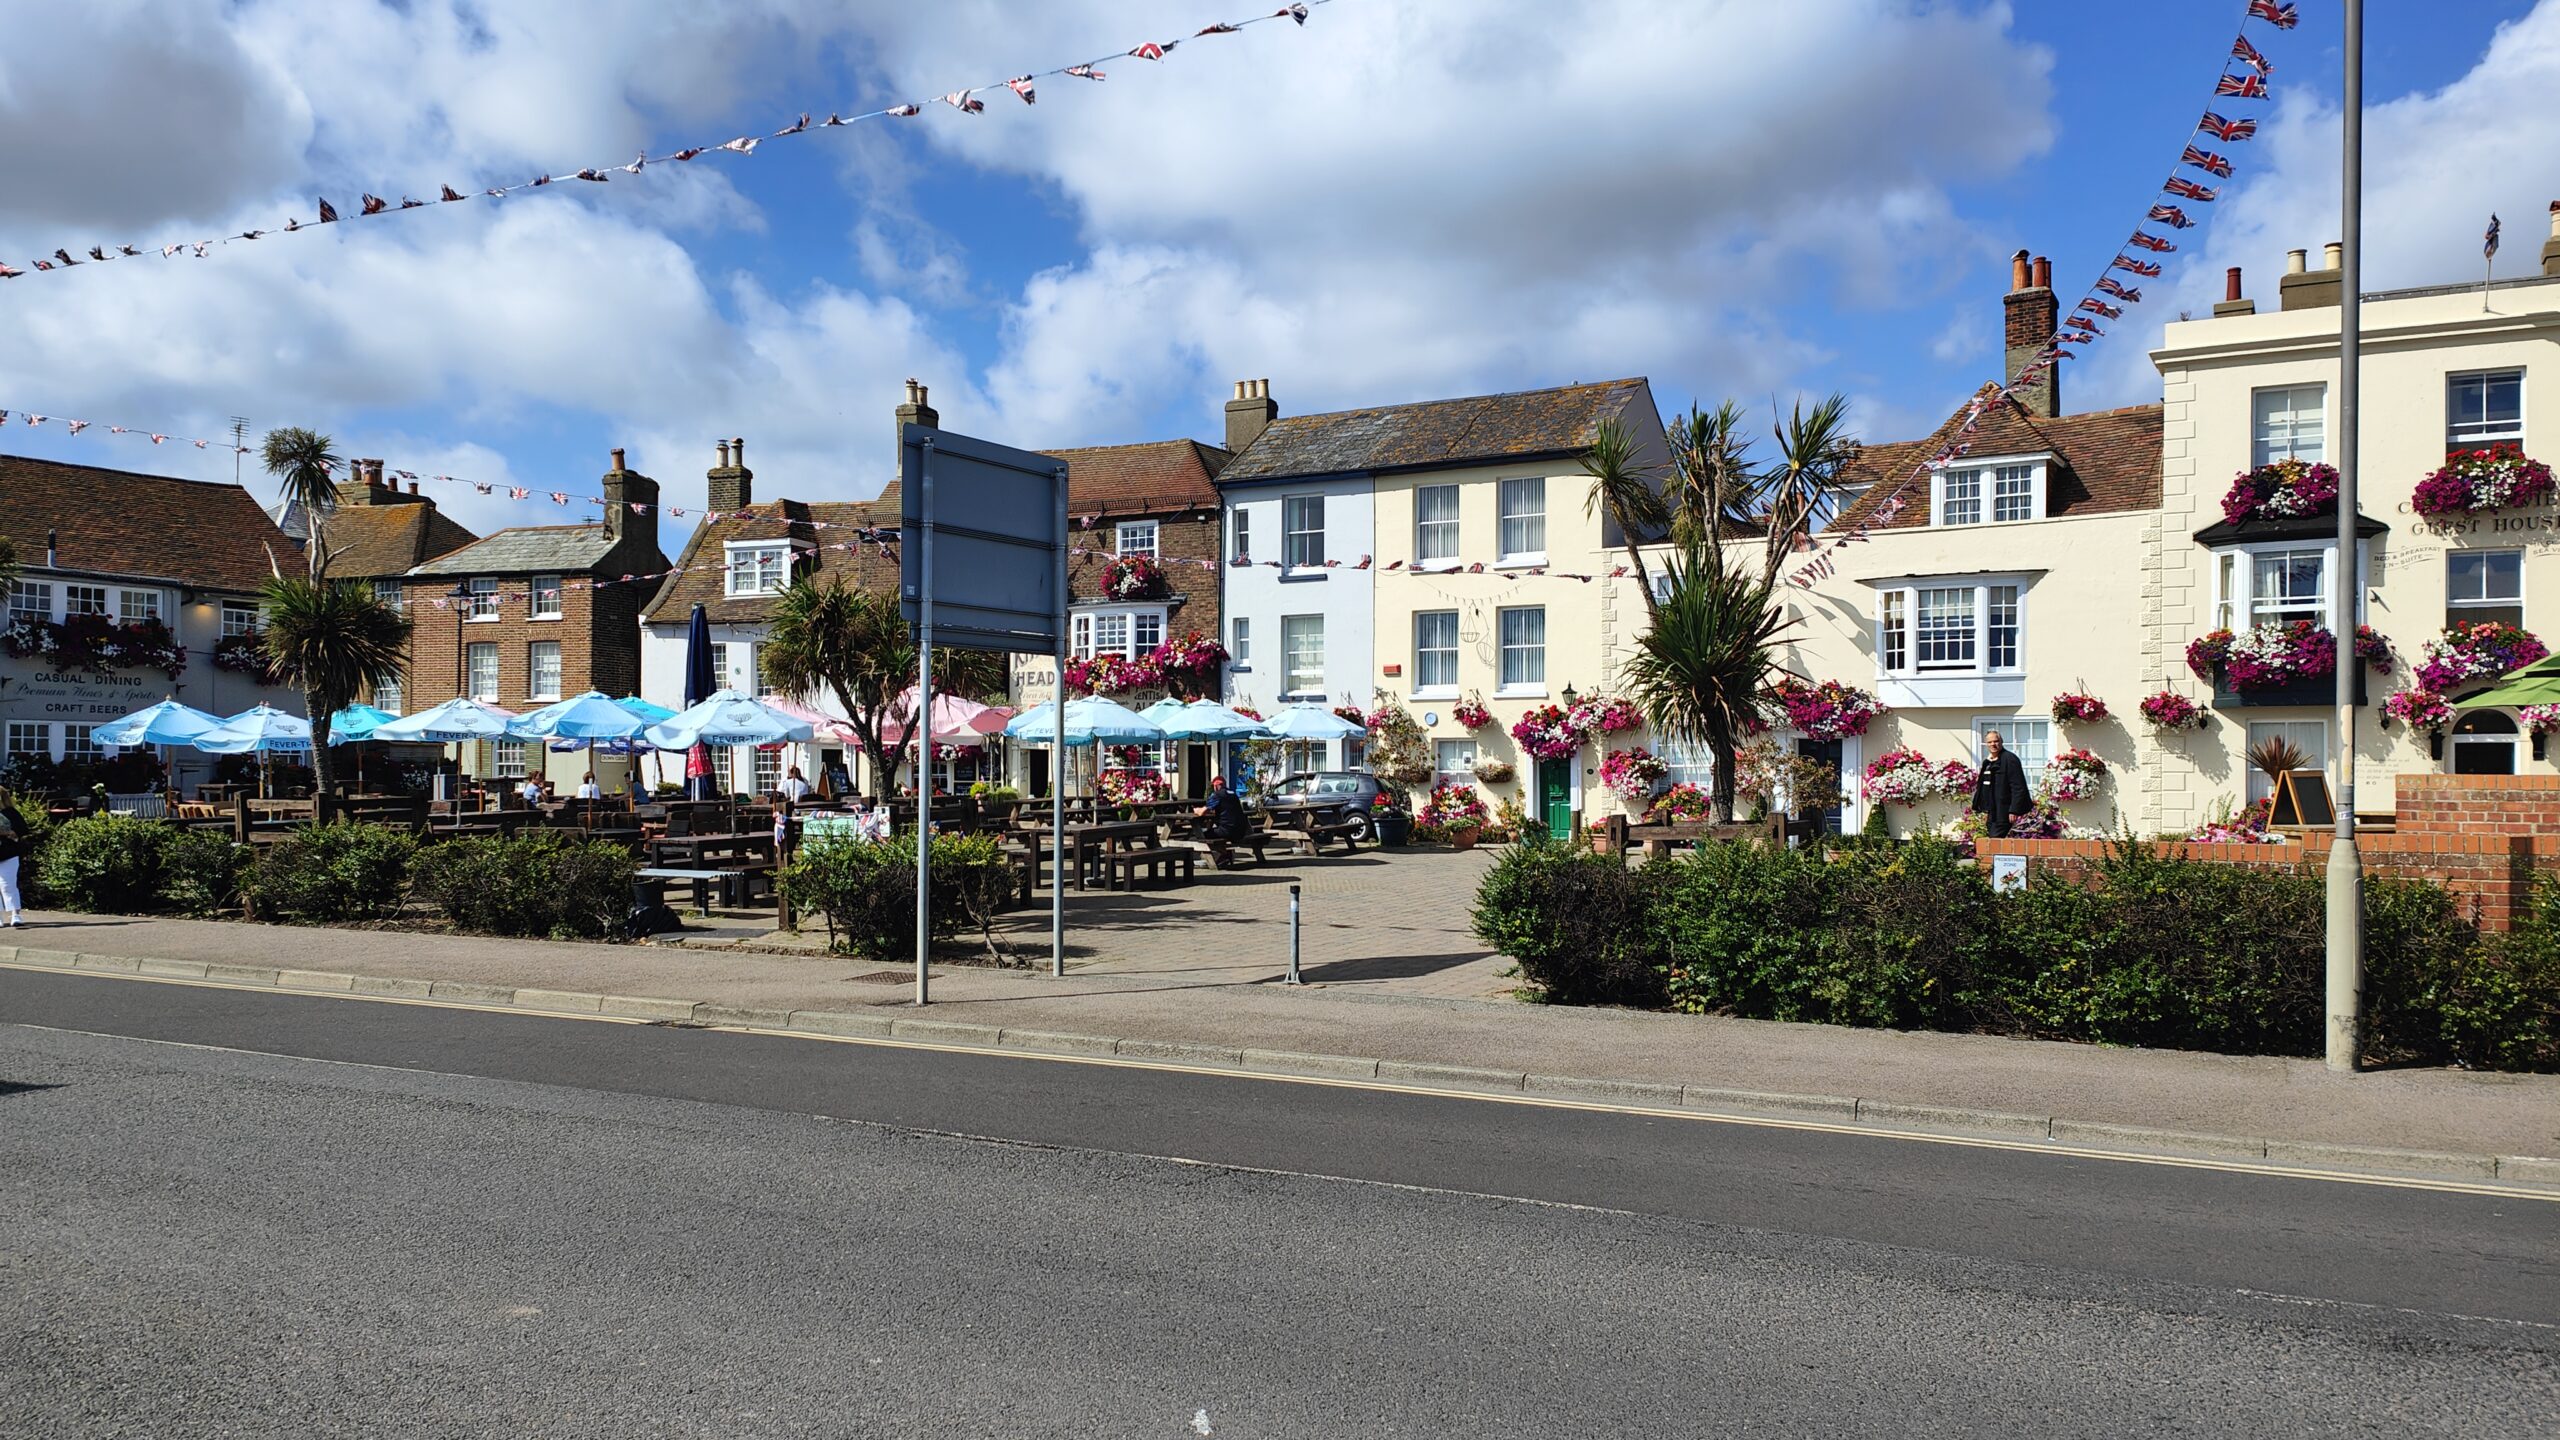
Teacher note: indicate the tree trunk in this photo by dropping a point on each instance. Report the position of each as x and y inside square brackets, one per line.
[1725, 770]
[324, 766]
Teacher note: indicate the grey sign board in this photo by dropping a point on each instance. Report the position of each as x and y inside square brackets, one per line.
[999, 526]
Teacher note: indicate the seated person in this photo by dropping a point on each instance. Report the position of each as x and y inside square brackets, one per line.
[1222, 818]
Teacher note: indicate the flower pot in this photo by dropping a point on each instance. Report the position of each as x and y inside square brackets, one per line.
[1464, 839]
[2435, 744]
[2540, 748]
[1395, 827]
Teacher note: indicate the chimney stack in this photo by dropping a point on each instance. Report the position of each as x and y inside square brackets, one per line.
[2306, 289]
[2030, 318]
[732, 483]
[1249, 414]
[624, 488]
[2551, 247]
[2233, 302]
[916, 412]
[363, 485]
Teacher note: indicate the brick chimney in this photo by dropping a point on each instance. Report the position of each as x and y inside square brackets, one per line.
[732, 483]
[2232, 301]
[2551, 247]
[624, 488]
[1249, 414]
[2029, 316]
[916, 411]
[2303, 288]
[363, 485]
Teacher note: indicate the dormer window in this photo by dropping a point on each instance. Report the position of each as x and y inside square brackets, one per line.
[1987, 491]
[759, 568]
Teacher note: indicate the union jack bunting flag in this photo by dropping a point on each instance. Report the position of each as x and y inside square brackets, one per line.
[1294, 12]
[1151, 51]
[2247, 54]
[559, 497]
[1221, 28]
[2187, 189]
[450, 194]
[2206, 161]
[2227, 129]
[965, 103]
[2281, 16]
[910, 108]
[1021, 85]
[2152, 243]
[1085, 72]
[375, 204]
[518, 492]
[328, 213]
[2083, 322]
[686, 153]
[2247, 87]
[2101, 307]
[2171, 215]
[744, 145]
[2108, 285]
[65, 257]
[6, 273]
[2072, 340]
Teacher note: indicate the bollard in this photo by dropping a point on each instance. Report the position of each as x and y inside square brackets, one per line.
[1294, 978]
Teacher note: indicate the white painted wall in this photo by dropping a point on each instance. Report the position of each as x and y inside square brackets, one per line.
[1342, 595]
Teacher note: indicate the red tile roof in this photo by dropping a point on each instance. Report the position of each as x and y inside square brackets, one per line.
[2106, 461]
[117, 522]
[387, 537]
[1474, 429]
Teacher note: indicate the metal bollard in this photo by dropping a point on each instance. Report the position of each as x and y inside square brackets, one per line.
[1293, 937]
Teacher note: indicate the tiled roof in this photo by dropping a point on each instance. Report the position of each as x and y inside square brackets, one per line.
[526, 550]
[387, 539]
[699, 577]
[2107, 461]
[1159, 476]
[1476, 429]
[117, 522]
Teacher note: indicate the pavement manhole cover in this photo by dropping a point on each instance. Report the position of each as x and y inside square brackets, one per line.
[877, 977]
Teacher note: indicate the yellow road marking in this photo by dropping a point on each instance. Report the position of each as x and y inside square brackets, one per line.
[1544, 1102]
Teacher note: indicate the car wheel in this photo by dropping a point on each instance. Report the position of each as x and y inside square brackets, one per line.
[1363, 829]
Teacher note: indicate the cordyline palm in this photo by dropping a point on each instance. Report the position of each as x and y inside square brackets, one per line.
[303, 460]
[1699, 671]
[1629, 492]
[829, 638]
[1713, 488]
[331, 639]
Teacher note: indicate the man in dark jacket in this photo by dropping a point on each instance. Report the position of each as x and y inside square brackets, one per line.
[2001, 795]
[1222, 821]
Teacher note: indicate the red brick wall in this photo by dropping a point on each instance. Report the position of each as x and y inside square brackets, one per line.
[1179, 537]
[2491, 873]
[2477, 804]
[598, 632]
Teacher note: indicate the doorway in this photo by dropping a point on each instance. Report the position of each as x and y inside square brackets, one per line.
[1555, 797]
[1825, 752]
[2484, 743]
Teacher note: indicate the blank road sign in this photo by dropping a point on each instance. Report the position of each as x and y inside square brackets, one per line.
[999, 526]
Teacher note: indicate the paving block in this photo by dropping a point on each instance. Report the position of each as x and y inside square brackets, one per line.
[172, 969]
[120, 964]
[472, 991]
[744, 1015]
[642, 1007]
[945, 1032]
[393, 985]
[1602, 1092]
[315, 980]
[1297, 1062]
[1180, 1051]
[1455, 1077]
[576, 1002]
[841, 1022]
[2373, 1157]
[2166, 1142]
[1944, 1117]
[1761, 1102]
[36, 955]
[242, 974]
[2530, 1169]
[1057, 1042]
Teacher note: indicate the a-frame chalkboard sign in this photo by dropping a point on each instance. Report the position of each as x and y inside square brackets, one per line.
[2302, 801]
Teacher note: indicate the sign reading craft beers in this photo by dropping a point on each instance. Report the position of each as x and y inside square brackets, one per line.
[36, 691]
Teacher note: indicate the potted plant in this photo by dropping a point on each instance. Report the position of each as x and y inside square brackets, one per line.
[1457, 811]
[1494, 772]
[1394, 822]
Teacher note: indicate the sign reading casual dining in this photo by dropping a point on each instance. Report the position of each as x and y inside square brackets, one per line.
[82, 697]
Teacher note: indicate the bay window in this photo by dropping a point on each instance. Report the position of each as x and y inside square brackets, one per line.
[2276, 583]
[1127, 633]
[1967, 626]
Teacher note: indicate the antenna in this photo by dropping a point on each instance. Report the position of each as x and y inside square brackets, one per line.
[239, 442]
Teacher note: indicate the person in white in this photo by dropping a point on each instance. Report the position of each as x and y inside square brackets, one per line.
[531, 790]
[795, 787]
[13, 844]
[588, 789]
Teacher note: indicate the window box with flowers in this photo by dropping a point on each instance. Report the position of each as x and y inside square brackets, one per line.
[2280, 663]
[95, 642]
[1683, 804]
[2485, 651]
[1632, 773]
[1902, 776]
[2169, 710]
[2073, 708]
[1135, 577]
[1471, 713]
[1111, 675]
[1549, 733]
[2494, 478]
[1191, 668]
[2072, 775]
[2282, 490]
[1830, 710]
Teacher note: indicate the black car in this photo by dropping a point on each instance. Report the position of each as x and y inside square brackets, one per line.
[1351, 791]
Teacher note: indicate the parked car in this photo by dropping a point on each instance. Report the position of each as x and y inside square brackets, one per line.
[1352, 790]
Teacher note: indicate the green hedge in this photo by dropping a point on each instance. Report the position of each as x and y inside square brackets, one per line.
[118, 864]
[866, 890]
[2150, 950]
[539, 883]
[329, 874]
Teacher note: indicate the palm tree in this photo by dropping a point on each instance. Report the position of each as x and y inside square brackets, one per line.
[1631, 494]
[1711, 461]
[303, 460]
[1799, 495]
[330, 639]
[1698, 672]
[829, 638]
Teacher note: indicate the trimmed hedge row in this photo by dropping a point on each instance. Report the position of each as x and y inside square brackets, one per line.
[2151, 950]
[866, 890]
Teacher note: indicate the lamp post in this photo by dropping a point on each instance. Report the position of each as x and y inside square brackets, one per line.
[2346, 866]
[460, 596]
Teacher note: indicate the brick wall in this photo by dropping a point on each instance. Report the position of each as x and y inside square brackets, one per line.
[1179, 536]
[2491, 873]
[598, 633]
[2477, 804]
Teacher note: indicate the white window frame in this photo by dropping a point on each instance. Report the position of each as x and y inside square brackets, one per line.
[1509, 509]
[2459, 435]
[80, 745]
[1531, 655]
[1691, 762]
[82, 598]
[1982, 478]
[134, 607]
[1124, 626]
[239, 617]
[1423, 688]
[764, 769]
[2256, 786]
[2512, 742]
[1453, 761]
[1240, 641]
[1136, 537]
[1898, 626]
[27, 737]
[2272, 439]
[1239, 533]
[2234, 568]
[1293, 630]
[755, 568]
[481, 608]
[497, 671]
[534, 689]
[1436, 540]
[1955, 496]
[390, 694]
[2501, 601]
[545, 598]
[510, 759]
[389, 592]
[31, 600]
[2032, 755]
[1301, 544]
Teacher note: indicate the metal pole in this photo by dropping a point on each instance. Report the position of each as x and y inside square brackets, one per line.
[1293, 937]
[920, 728]
[1058, 758]
[2346, 866]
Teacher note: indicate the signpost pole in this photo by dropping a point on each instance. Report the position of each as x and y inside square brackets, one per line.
[920, 734]
[1058, 760]
[2346, 866]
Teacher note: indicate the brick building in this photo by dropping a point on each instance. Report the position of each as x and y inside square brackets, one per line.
[519, 619]
[376, 534]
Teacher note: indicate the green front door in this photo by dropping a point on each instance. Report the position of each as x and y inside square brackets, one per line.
[1555, 797]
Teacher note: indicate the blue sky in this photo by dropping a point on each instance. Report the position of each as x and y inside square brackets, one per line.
[1403, 199]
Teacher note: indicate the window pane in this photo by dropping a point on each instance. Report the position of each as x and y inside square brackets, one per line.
[2311, 737]
[84, 599]
[1302, 518]
[78, 747]
[33, 600]
[239, 618]
[483, 604]
[2030, 740]
[1893, 639]
[2013, 492]
[1524, 516]
[1240, 640]
[29, 738]
[387, 695]
[1302, 654]
[1452, 761]
[1082, 644]
[1146, 632]
[2287, 423]
[2004, 628]
[507, 759]
[1435, 650]
[1524, 646]
[1111, 635]
[2484, 577]
[391, 593]
[546, 596]
[2483, 407]
[1136, 537]
[2288, 585]
[544, 663]
[1691, 763]
[1962, 504]
[480, 664]
[136, 606]
[1435, 522]
[1946, 628]
[1241, 524]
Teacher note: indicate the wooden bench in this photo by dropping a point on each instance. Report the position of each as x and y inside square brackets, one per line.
[1222, 853]
[653, 881]
[1310, 839]
[1120, 867]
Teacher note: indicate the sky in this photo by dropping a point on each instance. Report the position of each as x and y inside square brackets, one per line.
[1399, 200]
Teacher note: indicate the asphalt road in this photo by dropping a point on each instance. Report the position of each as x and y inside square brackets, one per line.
[379, 1219]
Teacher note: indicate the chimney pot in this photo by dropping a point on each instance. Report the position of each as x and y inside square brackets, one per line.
[738, 450]
[2231, 283]
[2232, 303]
[2044, 273]
[2333, 255]
[724, 454]
[2551, 247]
[413, 487]
[915, 392]
[2294, 261]
[2020, 272]
[617, 459]
[1249, 414]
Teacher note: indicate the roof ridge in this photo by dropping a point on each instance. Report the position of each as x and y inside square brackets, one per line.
[1488, 395]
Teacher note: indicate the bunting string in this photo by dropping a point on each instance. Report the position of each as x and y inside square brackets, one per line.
[369, 205]
[2081, 324]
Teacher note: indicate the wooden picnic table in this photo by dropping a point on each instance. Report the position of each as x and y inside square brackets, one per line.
[685, 849]
[1117, 850]
[701, 879]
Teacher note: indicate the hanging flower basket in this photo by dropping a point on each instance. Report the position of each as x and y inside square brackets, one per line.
[1111, 675]
[1683, 804]
[1549, 733]
[1135, 577]
[2422, 710]
[2277, 654]
[2073, 775]
[1606, 715]
[1191, 667]
[1830, 710]
[2476, 652]
[1905, 777]
[2072, 708]
[1633, 772]
[1352, 713]
[2169, 710]
[2494, 478]
[2539, 720]
[2282, 490]
[1471, 713]
[1495, 772]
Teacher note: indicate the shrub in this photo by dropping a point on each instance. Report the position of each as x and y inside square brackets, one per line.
[2491, 1003]
[866, 890]
[200, 872]
[538, 883]
[321, 874]
[1739, 928]
[1574, 920]
[103, 863]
